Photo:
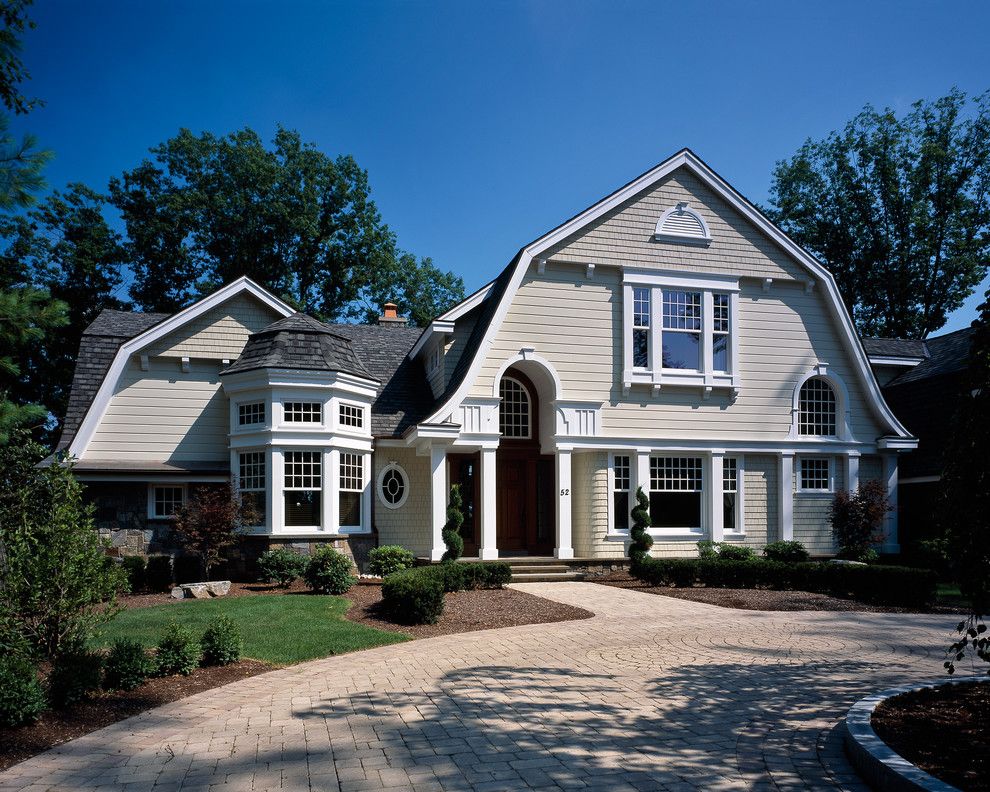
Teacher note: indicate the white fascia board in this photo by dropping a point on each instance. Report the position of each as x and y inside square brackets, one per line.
[433, 431]
[736, 446]
[897, 443]
[98, 407]
[436, 327]
[906, 362]
[683, 158]
[468, 304]
[695, 280]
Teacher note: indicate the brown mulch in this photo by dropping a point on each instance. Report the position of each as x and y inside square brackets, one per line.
[464, 611]
[945, 731]
[58, 726]
[761, 599]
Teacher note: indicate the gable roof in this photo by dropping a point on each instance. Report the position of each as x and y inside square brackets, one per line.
[947, 354]
[895, 348]
[97, 349]
[508, 282]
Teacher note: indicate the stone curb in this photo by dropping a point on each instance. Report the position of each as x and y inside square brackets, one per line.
[876, 761]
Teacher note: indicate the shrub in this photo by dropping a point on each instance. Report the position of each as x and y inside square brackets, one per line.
[177, 652]
[281, 566]
[158, 573]
[22, 698]
[57, 583]
[387, 559]
[412, 597]
[135, 569]
[787, 551]
[932, 554]
[731, 552]
[329, 572]
[209, 523]
[680, 572]
[856, 518]
[127, 665]
[639, 548]
[707, 550]
[75, 674]
[452, 528]
[221, 642]
[486, 575]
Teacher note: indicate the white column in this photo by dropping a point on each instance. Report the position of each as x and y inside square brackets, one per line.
[641, 474]
[438, 500]
[714, 488]
[366, 493]
[565, 548]
[627, 324]
[891, 542]
[852, 472]
[487, 511]
[276, 503]
[785, 495]
[329, 506]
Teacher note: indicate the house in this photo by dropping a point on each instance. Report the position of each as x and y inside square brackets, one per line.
[922, 382]
[669, 337]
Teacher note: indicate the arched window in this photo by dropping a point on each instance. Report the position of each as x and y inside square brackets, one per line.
[514, 415]
[817, 409]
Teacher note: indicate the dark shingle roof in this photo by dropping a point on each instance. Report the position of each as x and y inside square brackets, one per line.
[895, 347]
[99, 345]
[299, 342]
[947, 354]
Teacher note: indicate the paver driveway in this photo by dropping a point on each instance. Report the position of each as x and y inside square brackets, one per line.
[652, 693]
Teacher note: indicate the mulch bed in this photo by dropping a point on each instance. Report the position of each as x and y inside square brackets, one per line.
[945, 731]
[464, 611]
[761, 599]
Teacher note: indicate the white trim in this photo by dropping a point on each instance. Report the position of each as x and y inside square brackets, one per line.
[897, 443]
[437, 327]
[529, 409]
[469, 303]
[528, 355]
[611, 531]
[405, 485]
[906, 362]
[699, 281]
[689, 160]
[920, 480]
[798, 483]
[682, 207]
[785, 496]
[842, 422]
[105, 393]
[152, 486]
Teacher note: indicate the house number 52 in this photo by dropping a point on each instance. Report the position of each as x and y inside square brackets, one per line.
[565, 492]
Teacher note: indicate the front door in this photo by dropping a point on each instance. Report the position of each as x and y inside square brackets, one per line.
[525, 503]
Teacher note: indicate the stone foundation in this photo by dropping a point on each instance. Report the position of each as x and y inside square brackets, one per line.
[244, 557]
[121, 517]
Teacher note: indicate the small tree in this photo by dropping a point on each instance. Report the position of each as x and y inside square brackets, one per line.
[452, 529]
[856, 518]
[641, 543]
[56, 581]
[210, 523]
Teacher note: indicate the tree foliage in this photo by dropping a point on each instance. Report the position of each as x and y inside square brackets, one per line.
[897, 209]
[856, 518]
[451, 532]
[420, 289]
[56, 582]
[965, 496]
[210, 523]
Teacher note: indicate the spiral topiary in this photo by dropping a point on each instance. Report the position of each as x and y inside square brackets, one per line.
[641, 543]
[452, 530]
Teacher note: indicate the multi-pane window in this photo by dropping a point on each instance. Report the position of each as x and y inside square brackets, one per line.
[641, 328]
[720, 332]
[351, 415]
[252, 482]
[351, 487]
[303, 483]
[815, 474]
[675, 492]
[730, 496]
[393, 487]
[303, 412]
[250, 414]
[816, 409]
[167, 501]
[620, 493]
[682, 330]
[514, 412]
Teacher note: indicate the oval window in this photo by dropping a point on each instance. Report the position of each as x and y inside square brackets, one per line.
[393, 486]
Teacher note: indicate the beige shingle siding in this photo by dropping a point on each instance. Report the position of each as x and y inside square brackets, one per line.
[164, 414]
[590, 508]
[811, 512]
[455, 346]
[217, 334]
[409, 525]
[625, 236]
[870, 469]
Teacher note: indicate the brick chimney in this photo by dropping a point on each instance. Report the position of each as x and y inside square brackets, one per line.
[391, 316]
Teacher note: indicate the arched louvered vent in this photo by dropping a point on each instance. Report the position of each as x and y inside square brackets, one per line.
[682, 224]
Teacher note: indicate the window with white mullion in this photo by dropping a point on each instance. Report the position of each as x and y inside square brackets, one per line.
[676, 486]
[641, 327]
[621, 486]
[303, 486]
[351, 488]
[681, 329]
[731, 522]
[721, 332]
[253, 484]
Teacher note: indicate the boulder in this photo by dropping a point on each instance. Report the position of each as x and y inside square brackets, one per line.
[218, 588]
[213, 588]
[178, 593]
[197, 590]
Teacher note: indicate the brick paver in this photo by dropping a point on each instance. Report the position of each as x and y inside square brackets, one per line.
[652, 693]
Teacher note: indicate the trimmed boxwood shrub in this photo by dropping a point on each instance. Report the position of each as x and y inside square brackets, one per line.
[329, 572]
[22, 699]
[415, 596]
[387, 559]
[135, 567]
[221, 642]
[789, 551]
[177, 652]
[281, 566]
[127, 665]
[158, 573]
[74, 675]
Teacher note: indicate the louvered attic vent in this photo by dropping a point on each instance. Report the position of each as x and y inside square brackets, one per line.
[682, 224]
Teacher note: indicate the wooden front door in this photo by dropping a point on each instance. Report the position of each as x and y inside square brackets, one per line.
[526, 507]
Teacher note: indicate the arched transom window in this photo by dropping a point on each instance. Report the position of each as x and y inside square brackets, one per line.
[816, 409]
[515, 414]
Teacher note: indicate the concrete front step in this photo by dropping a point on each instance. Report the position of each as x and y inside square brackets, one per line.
[545, 577]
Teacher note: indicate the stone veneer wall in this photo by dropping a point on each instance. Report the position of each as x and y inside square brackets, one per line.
[121, 516]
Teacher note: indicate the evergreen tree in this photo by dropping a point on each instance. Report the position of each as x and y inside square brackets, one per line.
[639, 548]
[452, 529]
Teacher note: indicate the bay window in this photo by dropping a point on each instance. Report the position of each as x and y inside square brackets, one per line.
[252, 482]
[351, 489]
[303, 486]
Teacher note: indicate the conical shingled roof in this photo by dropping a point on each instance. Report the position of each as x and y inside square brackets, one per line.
[299, 342]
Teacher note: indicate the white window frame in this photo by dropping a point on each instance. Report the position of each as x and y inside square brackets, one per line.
[284, 489]
[338, 488]
[705, 377]
[529, 409]
[264, 486]
[152, 514]
[303, 401]
[255, 425]
[842, 418]
[799, 475]
[694, 532]
[362, 412]
[612, 530]
[739, 531]
[392, 466]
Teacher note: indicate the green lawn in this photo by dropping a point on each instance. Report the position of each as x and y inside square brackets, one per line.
[279, 629]
[949, 594]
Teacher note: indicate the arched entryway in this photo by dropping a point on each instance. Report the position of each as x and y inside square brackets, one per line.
[525, 504]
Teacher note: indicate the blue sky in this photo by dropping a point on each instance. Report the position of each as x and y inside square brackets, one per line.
[484, 124]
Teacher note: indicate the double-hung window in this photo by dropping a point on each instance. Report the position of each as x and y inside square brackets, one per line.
[166, 501]
[351, 489]
[303, 485]
[691, 320]
[252, 483]
[621, 484]
[676, 493]
[731, 518]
